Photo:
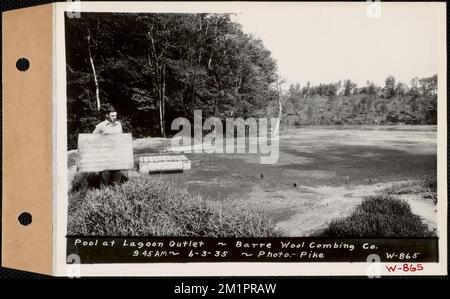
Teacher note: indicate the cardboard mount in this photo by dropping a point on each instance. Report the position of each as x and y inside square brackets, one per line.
[27, 139]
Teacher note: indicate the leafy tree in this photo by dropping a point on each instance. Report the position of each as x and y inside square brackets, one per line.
[349, 86]
[389, 87]
[401, 89]
[429, 85]
[156, 67]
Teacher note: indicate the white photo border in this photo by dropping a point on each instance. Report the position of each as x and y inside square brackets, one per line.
[60, 198]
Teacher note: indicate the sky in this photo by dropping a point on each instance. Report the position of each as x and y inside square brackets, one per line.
[328, 42]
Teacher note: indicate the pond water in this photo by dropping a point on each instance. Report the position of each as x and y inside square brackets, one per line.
[321, 173]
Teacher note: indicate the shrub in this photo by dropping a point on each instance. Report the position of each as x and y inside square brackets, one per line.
[84, 181]
[429, 183]
[72, 158]
[379, 217]
[146, 206]
[426, 184]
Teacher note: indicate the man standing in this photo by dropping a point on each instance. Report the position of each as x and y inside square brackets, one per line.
[109, 126]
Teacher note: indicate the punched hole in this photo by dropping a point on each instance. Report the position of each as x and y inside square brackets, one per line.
[25, 218]
[22, 64]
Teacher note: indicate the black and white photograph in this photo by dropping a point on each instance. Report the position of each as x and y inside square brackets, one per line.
[309, 128]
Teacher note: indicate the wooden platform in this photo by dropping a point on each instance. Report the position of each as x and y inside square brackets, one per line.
[166, 163]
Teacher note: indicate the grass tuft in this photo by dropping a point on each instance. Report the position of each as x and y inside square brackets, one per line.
[379, 217]
[84, 181]
[422, 185]
[149, 206]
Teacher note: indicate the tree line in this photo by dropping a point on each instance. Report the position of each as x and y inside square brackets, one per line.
[153, 68]
[343, 102]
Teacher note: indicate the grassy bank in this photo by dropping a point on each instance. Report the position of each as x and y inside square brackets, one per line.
[151, 206]
[426, 187]
[379, 217]
[387, 214]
